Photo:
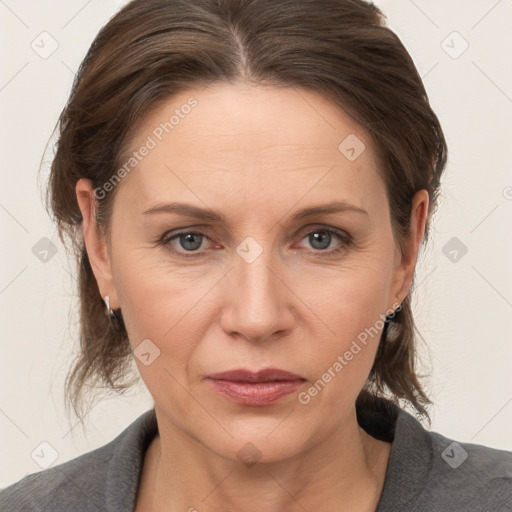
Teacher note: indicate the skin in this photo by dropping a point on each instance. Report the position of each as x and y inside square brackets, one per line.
[257, 155]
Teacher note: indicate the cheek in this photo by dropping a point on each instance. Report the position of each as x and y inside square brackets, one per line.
[351, 311]
[349, 300]
[162, 303]
[158, 313]
[342, 365]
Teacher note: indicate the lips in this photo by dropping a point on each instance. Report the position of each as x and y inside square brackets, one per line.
[265, 375]
[255, 388]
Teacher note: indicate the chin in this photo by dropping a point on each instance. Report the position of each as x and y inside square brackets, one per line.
[263, 440]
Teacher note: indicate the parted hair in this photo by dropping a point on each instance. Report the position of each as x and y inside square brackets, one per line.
[151, 50]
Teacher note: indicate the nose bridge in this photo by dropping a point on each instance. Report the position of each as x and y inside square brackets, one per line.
[257, 278]
[257, 300]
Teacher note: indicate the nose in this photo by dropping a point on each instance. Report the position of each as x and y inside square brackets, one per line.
[258, 301]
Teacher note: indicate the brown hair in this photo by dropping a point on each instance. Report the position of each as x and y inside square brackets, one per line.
[153, 49]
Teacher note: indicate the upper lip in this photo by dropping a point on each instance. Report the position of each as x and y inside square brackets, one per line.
[265, 375]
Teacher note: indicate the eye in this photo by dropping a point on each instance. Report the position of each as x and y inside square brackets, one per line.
[321, 238]
[188, 242]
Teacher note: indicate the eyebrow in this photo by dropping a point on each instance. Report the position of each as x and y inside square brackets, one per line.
[212, 216]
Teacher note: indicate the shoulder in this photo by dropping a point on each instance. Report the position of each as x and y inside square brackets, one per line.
[444, 474]
[430, 472]
[89, 481]
[470, 475]
[62, 487]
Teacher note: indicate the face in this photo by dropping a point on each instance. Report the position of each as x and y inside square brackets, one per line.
[261, 279]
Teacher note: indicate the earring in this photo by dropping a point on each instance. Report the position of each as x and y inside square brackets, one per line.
[108, 311]
[392, 315]
[111, 313]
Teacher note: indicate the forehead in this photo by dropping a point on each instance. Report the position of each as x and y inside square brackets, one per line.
[227, 139]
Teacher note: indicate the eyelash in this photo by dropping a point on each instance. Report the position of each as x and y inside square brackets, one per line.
[344, 237]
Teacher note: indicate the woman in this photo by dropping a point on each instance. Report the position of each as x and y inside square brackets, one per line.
[246, 185]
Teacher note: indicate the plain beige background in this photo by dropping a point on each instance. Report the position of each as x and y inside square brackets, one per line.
[462, 301]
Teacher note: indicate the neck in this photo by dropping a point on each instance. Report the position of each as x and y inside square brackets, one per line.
[345, 471]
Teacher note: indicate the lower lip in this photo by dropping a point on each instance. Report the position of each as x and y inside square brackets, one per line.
[256, 394]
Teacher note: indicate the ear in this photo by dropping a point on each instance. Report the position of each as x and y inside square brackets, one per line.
[95, 241]
[406, 258]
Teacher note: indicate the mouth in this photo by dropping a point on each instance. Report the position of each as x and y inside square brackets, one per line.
[265, 375]
[255, 388]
